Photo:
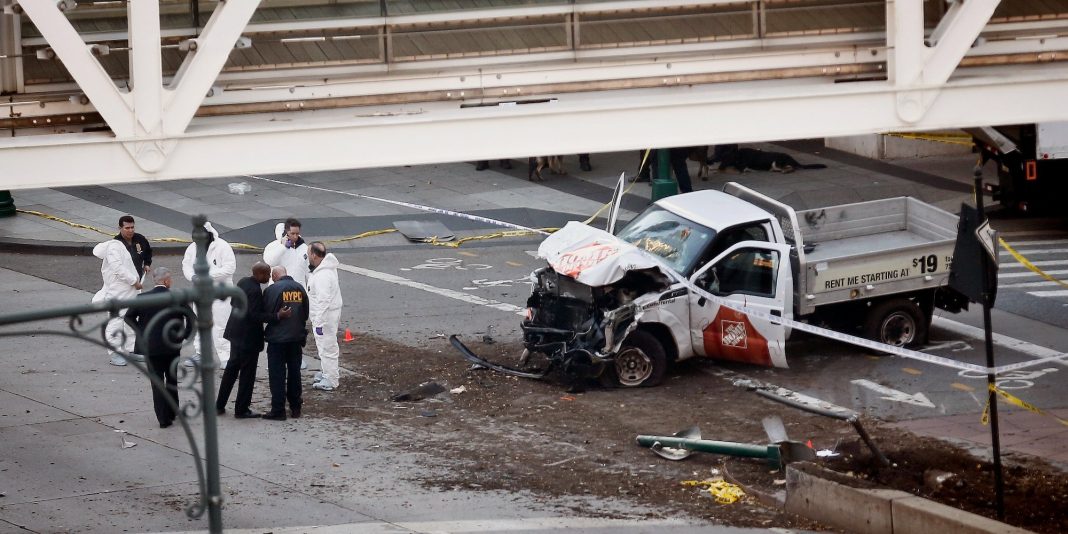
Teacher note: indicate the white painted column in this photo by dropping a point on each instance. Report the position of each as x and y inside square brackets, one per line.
[146, 67]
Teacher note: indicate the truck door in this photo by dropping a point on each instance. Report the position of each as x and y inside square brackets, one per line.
[752, 274]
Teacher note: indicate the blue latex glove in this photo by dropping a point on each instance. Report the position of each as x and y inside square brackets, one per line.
[318, 330]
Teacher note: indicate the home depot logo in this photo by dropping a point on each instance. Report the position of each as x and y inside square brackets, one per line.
[574, 262]
[733, 334]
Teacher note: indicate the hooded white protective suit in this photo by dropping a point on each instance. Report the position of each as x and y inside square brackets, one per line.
[324, 298]
[222, 264]
[294, 259]
[119, 274]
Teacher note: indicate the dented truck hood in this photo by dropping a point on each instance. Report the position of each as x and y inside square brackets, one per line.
[595, 257]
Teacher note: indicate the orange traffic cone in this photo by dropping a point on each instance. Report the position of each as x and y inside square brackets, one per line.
[348, 335]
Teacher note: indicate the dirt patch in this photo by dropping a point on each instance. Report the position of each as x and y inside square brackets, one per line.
[507, 433]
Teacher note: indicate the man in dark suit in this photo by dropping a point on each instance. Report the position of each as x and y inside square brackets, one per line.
[285, 338]
[246, 338]
[161, 354]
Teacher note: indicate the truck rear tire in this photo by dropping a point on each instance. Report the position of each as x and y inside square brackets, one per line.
[896, 322]
[640, 362]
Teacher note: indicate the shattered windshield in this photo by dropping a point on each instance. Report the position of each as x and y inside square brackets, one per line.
[677, 240]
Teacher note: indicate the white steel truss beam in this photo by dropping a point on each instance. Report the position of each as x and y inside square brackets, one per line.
[114, 105]
[202, 66]
[584, 122]
[919, 70]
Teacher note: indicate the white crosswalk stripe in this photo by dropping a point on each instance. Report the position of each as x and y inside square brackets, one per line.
[1047, 294]
[1046, 254]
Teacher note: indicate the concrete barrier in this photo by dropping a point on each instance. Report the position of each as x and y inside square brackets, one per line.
[811, 492]
[835, 500]
[916, 514]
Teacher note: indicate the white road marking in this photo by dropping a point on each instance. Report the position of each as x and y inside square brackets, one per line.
[1018, 244]
[1026, 252]
[890, 394]
[1047, 294]
[1042, 263]
[1028, 284]
[1001, 340]
[458, 295]
[1029, 273]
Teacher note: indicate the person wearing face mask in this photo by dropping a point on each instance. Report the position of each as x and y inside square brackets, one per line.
[290, 251]
[221, 267]
[324, 295]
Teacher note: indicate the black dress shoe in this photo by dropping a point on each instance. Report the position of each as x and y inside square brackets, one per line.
[295, 413]
[275, 416]
[165, 425]
[248, 415]
[220, 411]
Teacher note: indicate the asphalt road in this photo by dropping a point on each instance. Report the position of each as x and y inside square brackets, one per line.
[411, 293]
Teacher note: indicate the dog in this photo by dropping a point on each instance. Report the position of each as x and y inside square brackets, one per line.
[730, 157]
[537, 164]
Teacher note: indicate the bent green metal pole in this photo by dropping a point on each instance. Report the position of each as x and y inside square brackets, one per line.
[771, 453]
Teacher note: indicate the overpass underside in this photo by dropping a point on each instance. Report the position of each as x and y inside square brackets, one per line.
[103, 92]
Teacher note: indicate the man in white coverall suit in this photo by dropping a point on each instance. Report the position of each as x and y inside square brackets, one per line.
[324, 297]
[221, 267]
[290, 251]
[120, 282]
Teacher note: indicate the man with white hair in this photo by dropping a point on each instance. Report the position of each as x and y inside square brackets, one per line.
[120, 282]
[221, 267]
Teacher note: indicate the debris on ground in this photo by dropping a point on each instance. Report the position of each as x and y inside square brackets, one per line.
[422, 391]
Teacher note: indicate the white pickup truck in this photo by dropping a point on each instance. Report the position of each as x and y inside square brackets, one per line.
[622, 307]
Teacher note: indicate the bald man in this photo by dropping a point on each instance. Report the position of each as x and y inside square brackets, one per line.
[245, 335]
[285, 338]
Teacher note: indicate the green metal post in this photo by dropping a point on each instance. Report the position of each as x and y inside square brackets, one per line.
[768, 452]
[205, 297]
[7, 204]
[663, 185]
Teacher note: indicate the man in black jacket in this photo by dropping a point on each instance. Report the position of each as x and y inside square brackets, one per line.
[161, 354]
[246, 337]
[140, 250]
[284, 341]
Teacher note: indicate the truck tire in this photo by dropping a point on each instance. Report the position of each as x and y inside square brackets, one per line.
[897, 322]
[640, 362]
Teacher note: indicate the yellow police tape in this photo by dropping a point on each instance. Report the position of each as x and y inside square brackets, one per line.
[243, 246]
[952, 139]
[723, 491]
[1015, 401]
[645, 158]
[1028, 264]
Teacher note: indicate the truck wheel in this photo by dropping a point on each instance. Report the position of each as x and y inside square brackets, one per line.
[897, 322]
[640, 362]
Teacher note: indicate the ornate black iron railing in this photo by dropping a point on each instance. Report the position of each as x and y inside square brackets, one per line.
[174, 323]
